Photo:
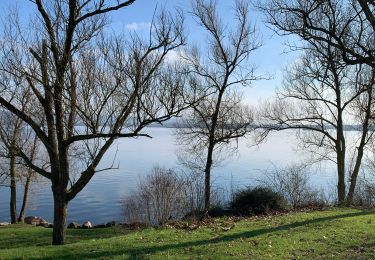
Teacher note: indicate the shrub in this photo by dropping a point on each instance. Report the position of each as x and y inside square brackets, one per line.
[293, 183]
[159, 198]
[166, 195]
[364, 195]
[259, 200]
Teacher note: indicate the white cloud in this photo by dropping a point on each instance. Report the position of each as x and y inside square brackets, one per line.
[138, 26]
[175, 56]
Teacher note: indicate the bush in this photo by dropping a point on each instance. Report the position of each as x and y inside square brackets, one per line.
[293, 183]
[167, 195]
[159, 198]
[364, 195]
[259, 200]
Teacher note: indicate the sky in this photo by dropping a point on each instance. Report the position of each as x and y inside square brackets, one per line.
[271, 58]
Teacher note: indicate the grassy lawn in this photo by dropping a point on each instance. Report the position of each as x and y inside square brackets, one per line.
[330, 234]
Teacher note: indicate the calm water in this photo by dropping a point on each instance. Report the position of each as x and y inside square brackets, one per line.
[100, 201]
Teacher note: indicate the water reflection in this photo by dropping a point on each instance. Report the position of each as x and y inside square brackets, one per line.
[100, 200]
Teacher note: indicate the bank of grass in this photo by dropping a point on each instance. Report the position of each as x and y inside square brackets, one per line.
[330, 234]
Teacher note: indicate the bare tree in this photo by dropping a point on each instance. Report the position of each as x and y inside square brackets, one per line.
[14, 134]
[321, 95]
[347, 25]
[364, 105]
[10, 134]
[28, 176]
[211, 125]
[92, 89]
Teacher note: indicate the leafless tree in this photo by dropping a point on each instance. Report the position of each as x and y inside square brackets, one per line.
[27, 175]
[15, 134]
[91, 88]
[13, 171]
[347, 25]
[364, 106]
[349, 28]
[320, 96]
[214, 123]
[10, 134]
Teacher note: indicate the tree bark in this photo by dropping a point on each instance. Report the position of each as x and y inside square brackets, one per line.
[13, 190]
[354, 176]
[59, 217]
[340, 144]
[21, 216]
[30, 173]
[341, 177]
[341, 152]
[207, 179]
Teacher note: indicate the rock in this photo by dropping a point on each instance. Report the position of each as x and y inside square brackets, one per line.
[87, 225]
[74, 225]
[2, 224]
[33, 220]
[44, 224]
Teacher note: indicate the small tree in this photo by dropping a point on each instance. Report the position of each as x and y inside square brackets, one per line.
[220, 118]
[10, 136]
[28, 176]
[14, 134]
[13, 171]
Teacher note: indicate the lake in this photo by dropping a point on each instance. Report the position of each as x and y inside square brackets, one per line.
[100, 201]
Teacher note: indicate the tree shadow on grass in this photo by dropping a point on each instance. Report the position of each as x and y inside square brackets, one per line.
[140, 252]
[16, 237]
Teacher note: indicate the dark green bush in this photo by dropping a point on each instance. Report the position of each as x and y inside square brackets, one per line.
[256, 201]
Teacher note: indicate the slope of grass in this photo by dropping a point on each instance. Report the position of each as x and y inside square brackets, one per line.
[330, 234]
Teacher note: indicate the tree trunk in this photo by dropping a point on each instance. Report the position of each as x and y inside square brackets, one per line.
[340, 152]
[13, 190]
[207, 179]
[21, 216]
[361, 147]
[341, 177]
[353, 178]
[59, 217]
[357, 166]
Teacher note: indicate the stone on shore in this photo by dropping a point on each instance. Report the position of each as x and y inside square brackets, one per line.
[74, 225]
[44, 224]
[33, 220]
[87, 225]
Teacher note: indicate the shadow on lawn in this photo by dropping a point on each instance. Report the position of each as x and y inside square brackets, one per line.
[16, 237]
[141, 251]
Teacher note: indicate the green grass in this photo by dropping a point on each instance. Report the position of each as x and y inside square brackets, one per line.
[331, 234]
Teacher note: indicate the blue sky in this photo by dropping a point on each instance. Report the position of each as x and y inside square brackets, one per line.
[270, 58]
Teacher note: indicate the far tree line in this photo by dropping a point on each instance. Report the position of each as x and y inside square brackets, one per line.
[70, 89]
